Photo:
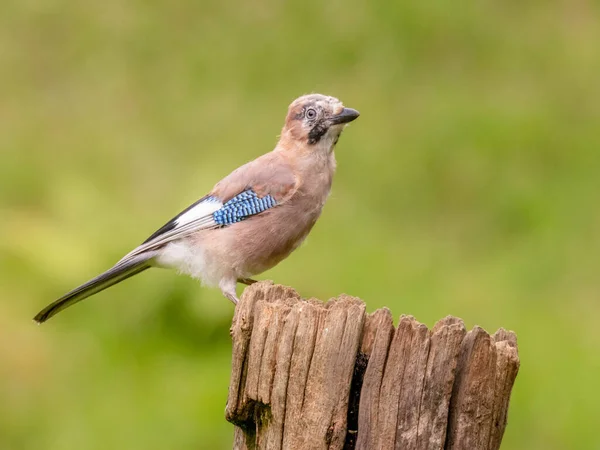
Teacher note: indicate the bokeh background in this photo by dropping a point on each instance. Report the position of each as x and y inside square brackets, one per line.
[469, 186]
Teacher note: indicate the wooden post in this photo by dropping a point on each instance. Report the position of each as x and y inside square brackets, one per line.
[313, 375]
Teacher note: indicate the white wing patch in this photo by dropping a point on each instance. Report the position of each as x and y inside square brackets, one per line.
[197, 217]
[206, 208]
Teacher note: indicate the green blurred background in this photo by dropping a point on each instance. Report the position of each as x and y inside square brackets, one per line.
[469, 186]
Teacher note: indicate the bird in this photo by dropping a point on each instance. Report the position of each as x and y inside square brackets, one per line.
[252, 219]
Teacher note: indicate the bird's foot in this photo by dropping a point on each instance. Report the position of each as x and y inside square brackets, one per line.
[228, 290]
[232, 297]
[247, 281]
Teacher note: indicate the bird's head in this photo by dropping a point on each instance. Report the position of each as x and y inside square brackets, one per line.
[317, 121]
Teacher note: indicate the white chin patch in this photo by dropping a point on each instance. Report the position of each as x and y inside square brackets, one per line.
[332, 135]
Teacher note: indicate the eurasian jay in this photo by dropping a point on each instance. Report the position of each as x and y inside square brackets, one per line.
[252, 219]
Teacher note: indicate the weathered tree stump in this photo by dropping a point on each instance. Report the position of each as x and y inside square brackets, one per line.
[313, 375]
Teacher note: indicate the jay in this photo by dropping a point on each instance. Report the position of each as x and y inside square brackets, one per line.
[252, 219]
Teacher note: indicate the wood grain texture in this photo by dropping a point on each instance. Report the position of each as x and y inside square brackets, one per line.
[313, 375]
[294, 363]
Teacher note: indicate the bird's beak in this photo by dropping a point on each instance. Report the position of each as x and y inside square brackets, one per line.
[347, 115]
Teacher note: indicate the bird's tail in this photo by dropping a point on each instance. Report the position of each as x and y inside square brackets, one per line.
[121, 271]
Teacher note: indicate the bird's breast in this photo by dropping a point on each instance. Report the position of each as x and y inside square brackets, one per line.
[261, 241]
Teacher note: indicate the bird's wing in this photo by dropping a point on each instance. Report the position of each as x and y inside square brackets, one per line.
[271, 174]
[252, 189]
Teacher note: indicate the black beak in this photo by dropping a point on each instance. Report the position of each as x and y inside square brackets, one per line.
[347, 115]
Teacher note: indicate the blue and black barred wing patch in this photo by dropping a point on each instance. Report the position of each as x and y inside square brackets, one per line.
[208, 212]
[242, 206]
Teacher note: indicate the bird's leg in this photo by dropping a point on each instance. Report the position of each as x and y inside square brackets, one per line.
[247, 281]
[232, 297]
[227, 287]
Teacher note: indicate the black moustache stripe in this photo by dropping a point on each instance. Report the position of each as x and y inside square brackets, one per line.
[315, 135]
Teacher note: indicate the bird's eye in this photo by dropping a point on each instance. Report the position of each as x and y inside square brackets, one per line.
[311, 113]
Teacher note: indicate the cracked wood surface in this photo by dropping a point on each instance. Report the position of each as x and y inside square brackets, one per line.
[313, 375]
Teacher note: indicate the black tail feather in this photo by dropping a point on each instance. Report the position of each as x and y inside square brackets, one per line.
[115, 275]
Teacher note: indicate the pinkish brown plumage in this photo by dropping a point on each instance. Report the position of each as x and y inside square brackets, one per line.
[252, 219]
